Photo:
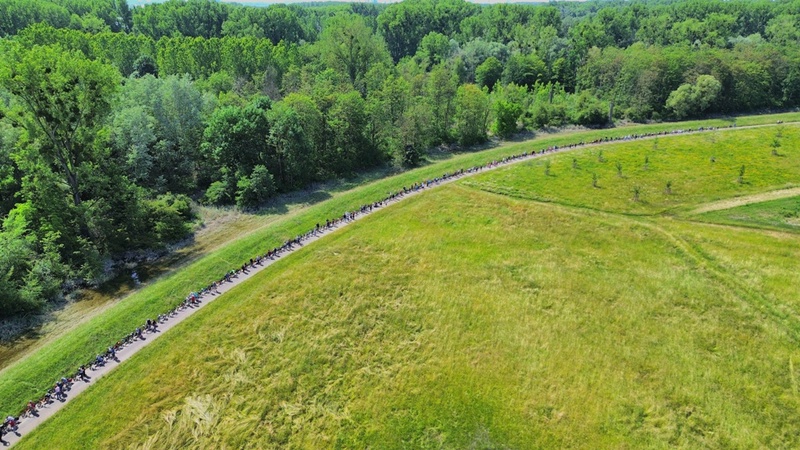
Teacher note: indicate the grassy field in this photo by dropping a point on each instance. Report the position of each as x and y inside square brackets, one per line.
[782, 214]
[31, 375]
[465, 319]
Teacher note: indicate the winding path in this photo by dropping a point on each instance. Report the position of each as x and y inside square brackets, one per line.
[29, 424]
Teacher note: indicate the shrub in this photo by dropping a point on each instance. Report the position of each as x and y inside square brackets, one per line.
[506, 115]
[218, 193]
[411, 156]
[544, 114]
[169, 216]
[489, 72]
[588, 111]
[255, 189]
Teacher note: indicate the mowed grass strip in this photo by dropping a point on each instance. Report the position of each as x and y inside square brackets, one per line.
[30, 377]
[657, 175]
[463, 319]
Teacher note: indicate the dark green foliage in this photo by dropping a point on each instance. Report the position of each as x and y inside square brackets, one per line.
[506, 116]
[129, 122]
[145, 65]
[65, 96]
[472, 113]
[235, 139]
[10, 175]
[349, 148]
[589, 111]
[405, 24]
[76, 206]
[692, 99]
[168, 217]
[544, 114]
[434, 49]
[219, 193]
[524, 70]
[15, 15]
[350, 47]
[157, 127]
[255, 189]
[196, 18]
[411, 156]
[489, 72]
[23, 282]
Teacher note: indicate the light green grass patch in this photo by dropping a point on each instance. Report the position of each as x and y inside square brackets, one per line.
[699, 167]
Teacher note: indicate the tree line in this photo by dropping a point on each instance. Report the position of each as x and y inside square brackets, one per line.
[114, 120]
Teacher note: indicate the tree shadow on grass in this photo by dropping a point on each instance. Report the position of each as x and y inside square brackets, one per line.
[281, 205]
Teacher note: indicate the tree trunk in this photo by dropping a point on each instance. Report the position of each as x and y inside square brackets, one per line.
[72, 179]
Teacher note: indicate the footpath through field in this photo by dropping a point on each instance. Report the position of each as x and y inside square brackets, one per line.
[729, 203]
[30, 423]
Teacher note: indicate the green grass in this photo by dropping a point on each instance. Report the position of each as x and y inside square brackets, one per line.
[782, 214]
[33, 374]
[466, 319]
[685, 161]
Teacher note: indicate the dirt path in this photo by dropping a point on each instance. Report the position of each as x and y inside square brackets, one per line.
[746, 200]
[29, 424]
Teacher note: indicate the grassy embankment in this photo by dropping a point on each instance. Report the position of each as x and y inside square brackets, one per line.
[466, 318]
[30, 376]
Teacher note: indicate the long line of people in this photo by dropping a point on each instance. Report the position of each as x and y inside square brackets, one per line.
[60, 389]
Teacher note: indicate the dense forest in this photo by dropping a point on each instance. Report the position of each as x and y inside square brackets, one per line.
[115, 121]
